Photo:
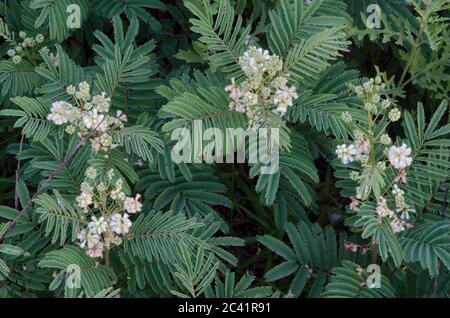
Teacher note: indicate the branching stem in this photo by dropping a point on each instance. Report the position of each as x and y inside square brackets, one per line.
[46, 183]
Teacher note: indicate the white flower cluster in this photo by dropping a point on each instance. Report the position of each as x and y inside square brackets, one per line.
[398, 224]
[109, 208]
[20, 48]
[89, 113]
[364, 149]
[370, 93]
[359, 150]
[400, 157]
[265, 88]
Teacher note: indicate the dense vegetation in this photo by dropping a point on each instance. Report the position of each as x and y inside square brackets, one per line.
[92, 203]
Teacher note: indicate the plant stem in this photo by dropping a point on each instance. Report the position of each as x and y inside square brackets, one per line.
[107, 258]
[46, 183]
[416, 44]
[374, 253]
[16, 194]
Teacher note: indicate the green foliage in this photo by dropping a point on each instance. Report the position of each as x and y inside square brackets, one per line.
[17, 79]
[295, 174]
[93, 278]
[206, 101]
[312, 255]
[211, 229]
[429, 245]
[348, 282]
[59, 217]
[290, 24]
[33, 117]
[53, 16]
[323, 105]
[197, 194]
[131, 8]
[431, 152]
[196, 276]
[230, 288]
[139, 140]
[221, 32]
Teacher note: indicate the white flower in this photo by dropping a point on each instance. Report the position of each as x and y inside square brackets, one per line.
[39, 38]
[362, 146]
[54, 59]
[110, 174]
[346, 117]
[235, 92]
[375, 98]
[16, 59]
[87, 238]
[359, 91]
[117, 194]
[397, 191]
[81, 236]
[121, 116]
[60, 112]
[378, 79]
[400, 157]
[370, 107]
[254, 61]
[279, 81]
[86, 188]
[84, 200]
[383, 209]
[71, 90]
[102, 102]
[397, 226]
[385, 103]
[284, 98]
[70, 129]
[11, 53]
[84, 88]
[96, 250]
[239, 107]
[354, 204]
[132, 205]
[368, 86]
[22, 34]
[346, 154]
[354, 175]
[93, 119]
[405, 213]
[95, 144]
[394, 115]
[250, 99]
[385, 139]
[274, 65]
[120, 224]
[98, 224]
[106, 140]
[401, 176]
[101, 187]
[381, 165]
[91, 172]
